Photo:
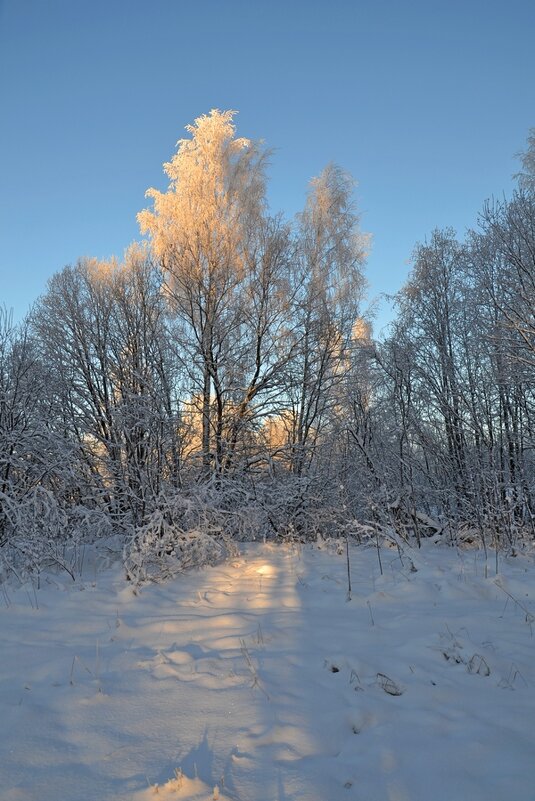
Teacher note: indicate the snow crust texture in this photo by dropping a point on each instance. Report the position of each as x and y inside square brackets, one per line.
[257, 680]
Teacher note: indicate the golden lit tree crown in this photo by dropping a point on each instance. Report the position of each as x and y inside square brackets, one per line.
[216, 184]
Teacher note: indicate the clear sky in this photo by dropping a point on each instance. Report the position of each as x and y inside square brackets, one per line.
[424, 102]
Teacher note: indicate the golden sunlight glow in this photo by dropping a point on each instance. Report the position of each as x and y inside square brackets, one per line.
[266, 570]
[362, 330]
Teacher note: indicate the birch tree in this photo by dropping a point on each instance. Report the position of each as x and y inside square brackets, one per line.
[331, 253]
[224, 266]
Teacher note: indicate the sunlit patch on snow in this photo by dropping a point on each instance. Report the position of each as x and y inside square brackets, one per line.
[267, 571]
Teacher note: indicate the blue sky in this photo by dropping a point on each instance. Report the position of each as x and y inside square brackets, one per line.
[424, 102]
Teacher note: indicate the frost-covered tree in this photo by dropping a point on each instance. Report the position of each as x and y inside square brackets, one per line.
[225, 268]
[331, 252]
[35, 457]
[103, 332]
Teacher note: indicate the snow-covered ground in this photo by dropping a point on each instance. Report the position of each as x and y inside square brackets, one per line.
[257, 680]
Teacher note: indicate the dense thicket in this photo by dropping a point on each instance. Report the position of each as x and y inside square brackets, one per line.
[222, 382]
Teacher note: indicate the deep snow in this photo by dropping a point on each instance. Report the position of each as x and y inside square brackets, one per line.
[259, 681]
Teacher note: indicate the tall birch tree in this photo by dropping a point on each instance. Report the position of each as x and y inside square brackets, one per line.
[221, 258]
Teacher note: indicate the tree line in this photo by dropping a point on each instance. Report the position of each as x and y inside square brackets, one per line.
[222, 381]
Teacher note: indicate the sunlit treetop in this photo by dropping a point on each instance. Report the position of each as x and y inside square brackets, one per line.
[216, 186]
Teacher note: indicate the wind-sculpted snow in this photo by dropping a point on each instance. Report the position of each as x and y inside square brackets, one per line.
[256, 680]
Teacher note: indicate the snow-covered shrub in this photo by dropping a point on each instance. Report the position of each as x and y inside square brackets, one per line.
[161, 549]
[88, 525]
[40, 532]
[302, 508]
[37, 527]
[226, 509]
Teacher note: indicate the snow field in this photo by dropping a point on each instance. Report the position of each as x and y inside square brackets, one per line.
[257, 680]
